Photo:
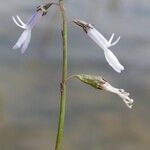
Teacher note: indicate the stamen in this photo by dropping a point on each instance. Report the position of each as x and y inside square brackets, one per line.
[114, 43]
[111, 38]
[21, 26]
[21, 22]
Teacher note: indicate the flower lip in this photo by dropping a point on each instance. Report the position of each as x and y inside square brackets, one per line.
[120, 92]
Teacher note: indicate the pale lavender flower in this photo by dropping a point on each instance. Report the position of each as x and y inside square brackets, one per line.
[25, 37]
[102, 42]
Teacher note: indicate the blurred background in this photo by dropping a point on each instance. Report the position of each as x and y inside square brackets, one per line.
[29, 83]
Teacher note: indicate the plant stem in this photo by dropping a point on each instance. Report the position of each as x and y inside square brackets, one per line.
[63, 83]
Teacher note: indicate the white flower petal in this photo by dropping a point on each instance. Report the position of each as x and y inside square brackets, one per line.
[100, 37]
[95, 37]
[26, 42]
[21, 40]
[113, 61]
[120, 92]
[125, 97]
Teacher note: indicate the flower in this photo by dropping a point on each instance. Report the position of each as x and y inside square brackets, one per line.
[25, 37]
[120, 92]
[99, 83]
[102, 42]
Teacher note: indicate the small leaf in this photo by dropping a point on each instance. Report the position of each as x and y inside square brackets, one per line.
[94, 81]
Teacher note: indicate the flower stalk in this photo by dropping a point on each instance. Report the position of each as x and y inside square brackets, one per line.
[63, 82]
[96, 82]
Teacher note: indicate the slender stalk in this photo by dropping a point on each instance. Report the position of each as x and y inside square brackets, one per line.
[64, 78]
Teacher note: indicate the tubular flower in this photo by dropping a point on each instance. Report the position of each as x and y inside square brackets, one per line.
[102, 42]
[98, 82]
[25, 37]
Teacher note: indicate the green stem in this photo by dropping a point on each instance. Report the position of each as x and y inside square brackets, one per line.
[63, 83]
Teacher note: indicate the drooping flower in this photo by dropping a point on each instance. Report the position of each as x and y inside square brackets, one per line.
[120, 92]
[102, 42]
[99, 83]
[25, 37]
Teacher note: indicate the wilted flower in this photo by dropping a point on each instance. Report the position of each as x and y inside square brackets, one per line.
[25, 37]
[98, 38]
[99, 83]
